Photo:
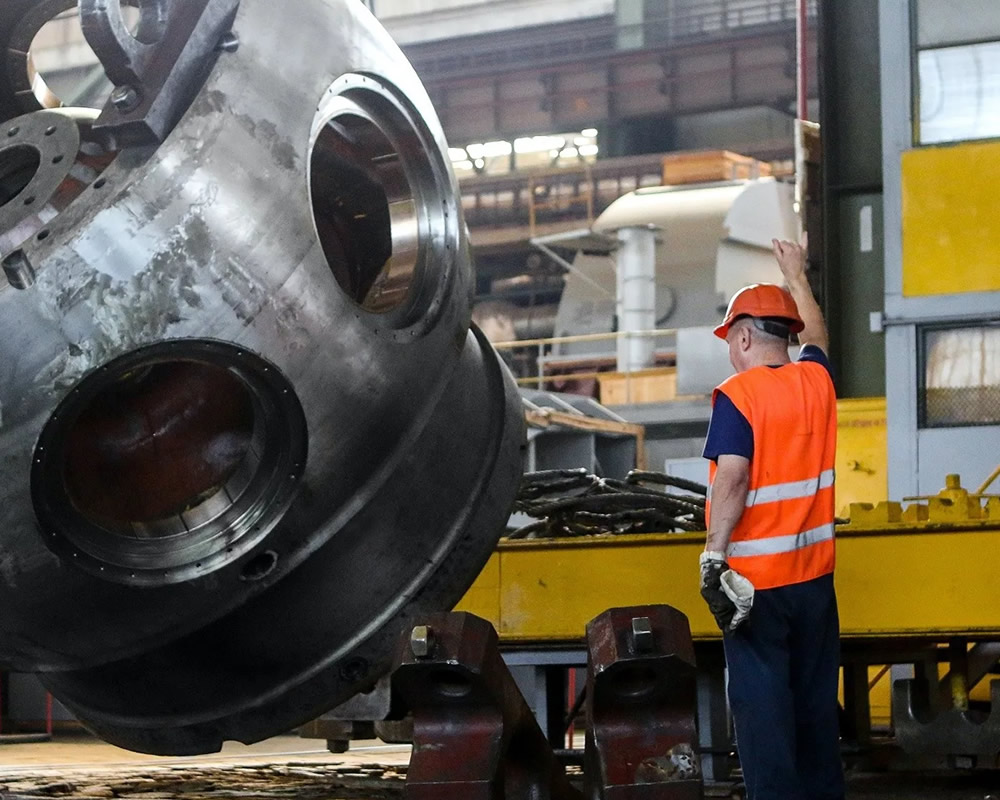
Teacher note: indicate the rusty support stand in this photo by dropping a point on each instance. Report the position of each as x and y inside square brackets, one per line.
[641, 716]
[474, 737]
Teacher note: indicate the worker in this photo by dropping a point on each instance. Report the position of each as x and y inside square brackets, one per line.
[767, 569]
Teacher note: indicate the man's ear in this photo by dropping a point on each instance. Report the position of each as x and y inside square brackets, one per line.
[744, 337]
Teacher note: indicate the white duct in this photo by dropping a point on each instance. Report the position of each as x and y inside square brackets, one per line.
[715, 239]
[636, 296]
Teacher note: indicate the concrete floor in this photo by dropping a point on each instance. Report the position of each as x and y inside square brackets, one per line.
[81, 752]
[78, 767]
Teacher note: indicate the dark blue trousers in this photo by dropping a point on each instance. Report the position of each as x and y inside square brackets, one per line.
[784, 663]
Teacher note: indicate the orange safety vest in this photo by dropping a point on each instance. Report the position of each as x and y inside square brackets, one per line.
[786, 532]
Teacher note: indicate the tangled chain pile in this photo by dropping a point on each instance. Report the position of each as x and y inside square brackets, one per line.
[574, 502]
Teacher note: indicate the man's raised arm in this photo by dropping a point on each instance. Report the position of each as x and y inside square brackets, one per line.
[791, 259]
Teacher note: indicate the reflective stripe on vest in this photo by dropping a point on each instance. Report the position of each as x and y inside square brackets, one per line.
[773, 545]
[793, 490]
[790, 491]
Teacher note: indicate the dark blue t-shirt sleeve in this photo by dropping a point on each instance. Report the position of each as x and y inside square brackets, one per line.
[811, 352]
[729, 432]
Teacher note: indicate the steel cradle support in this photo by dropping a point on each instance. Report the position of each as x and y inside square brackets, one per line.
[641, 730]
[475, 738]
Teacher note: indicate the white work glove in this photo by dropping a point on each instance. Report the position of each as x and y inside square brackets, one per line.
[740, 591]
[728, 594]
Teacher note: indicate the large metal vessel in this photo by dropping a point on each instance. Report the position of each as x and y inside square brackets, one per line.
[246, 433]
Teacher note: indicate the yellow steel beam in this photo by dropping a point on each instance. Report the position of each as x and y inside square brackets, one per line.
[917, 582]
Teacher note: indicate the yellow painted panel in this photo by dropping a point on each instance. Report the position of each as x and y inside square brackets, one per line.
[551, 590]
[951, 219]
[880, 695]
[483, 597]
[862, 452]
[888, 584]
[917, 582]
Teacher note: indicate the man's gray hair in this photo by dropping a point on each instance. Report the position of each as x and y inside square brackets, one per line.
[759, 330]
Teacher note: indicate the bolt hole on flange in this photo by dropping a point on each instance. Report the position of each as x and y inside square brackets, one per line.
[170, 462]
[48, 163]
[18, 165]
[260, 566]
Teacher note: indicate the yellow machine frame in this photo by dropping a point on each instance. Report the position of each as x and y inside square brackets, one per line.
[928, 578]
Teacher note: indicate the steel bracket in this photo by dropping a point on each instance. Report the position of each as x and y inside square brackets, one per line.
[965, 738]
[160, 67]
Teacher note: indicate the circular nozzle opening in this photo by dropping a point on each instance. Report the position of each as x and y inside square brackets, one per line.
[158, 444]
[169, 462]
[365, 212]
[382, 200]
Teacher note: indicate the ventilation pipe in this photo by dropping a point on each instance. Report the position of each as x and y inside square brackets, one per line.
[636, 300]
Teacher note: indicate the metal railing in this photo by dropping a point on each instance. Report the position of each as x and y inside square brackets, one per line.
[692, 21]
[573, 195]
[538, 197]
[544, 359]
[701, 18]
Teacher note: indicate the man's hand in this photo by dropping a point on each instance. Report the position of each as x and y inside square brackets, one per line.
[741, 592]
[791, 259]
[729, 595]
[713, 565]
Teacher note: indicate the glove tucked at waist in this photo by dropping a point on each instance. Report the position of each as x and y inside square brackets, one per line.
[728, 594]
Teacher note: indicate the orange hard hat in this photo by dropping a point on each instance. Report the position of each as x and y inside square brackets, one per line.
[761, 300]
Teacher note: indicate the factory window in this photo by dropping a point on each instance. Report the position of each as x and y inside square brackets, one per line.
[527, 152]
[958, 70]
[693, 18]
[961, 377]
[947, 22]
[960, 93]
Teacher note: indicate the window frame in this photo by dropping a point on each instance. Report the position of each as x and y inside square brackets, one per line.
[915, 91]
[924, 333]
